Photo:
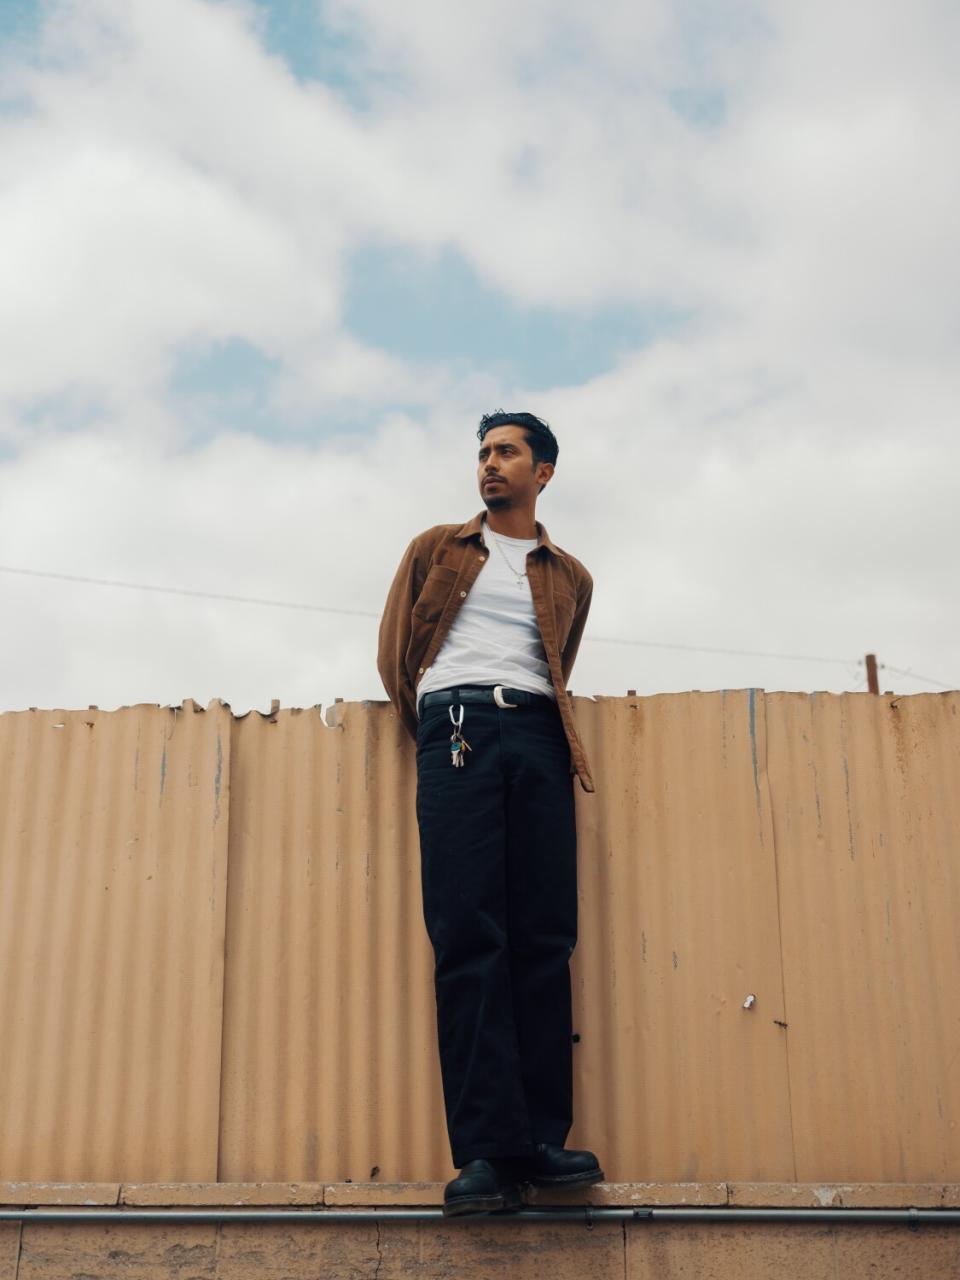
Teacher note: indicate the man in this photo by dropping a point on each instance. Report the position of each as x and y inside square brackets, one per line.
[478, 637]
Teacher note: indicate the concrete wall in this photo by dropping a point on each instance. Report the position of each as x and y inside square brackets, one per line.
[484, 1248]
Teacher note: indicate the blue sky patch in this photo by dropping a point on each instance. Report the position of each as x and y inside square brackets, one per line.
[315, 47]
[437, 309]
[69, 410]
[232, 364]
[20, 21]
[20, 25]
[224, 385]
[707, 31]
[706, 28]
[702, 108]
[229, 385]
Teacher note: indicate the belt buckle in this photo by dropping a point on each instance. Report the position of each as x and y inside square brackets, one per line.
[499, 699]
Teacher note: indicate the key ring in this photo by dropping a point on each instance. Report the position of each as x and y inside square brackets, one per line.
[458, 743]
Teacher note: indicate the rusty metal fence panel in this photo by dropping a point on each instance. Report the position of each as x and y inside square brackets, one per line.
[113, 860]
[330, 1064]
[215, 964]
[867, 829]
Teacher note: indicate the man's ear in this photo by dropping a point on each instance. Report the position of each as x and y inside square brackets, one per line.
[545, 472]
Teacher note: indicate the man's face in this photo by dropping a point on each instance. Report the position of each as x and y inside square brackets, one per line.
[505, 471]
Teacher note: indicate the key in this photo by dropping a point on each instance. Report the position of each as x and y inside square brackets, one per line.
[459, 745]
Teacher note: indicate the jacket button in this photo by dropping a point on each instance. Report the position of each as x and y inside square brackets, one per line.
[420, 672]
[462, 594]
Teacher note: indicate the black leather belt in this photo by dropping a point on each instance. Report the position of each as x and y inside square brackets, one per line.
[487, 693]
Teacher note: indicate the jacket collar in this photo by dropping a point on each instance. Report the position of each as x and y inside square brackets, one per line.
[473, 528]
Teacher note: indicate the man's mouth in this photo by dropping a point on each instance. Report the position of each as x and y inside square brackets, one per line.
[493, 480]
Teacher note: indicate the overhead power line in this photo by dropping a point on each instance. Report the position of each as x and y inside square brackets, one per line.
[913, 676]
[185, 591]
[696, 648]
[369, 613]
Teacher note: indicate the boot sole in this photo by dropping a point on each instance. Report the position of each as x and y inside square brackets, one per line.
[568, 1179]
[510, 1198]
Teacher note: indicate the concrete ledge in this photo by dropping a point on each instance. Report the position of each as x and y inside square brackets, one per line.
[845, 1195]
[468, 1249]
[236, 1194]
[919, 1195]
[381, 1194]
[634, 1193]
[59, 1193]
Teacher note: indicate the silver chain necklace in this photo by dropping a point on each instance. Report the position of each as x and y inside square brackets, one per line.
[519, 576]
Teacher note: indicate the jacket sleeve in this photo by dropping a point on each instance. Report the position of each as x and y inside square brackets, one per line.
[394, 638]
[575, 635]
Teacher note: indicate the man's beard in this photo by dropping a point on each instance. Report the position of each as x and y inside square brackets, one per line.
[495, 501]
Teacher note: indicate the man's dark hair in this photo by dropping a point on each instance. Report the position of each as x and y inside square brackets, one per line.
[536, 432]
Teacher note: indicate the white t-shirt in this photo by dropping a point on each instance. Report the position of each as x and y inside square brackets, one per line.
[494, 638]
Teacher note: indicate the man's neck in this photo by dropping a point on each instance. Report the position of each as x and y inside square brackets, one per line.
[512, 524]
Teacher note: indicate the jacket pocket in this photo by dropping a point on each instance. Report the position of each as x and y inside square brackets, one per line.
[435, 593]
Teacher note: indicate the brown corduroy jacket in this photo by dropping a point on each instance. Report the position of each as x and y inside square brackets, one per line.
[435, 575]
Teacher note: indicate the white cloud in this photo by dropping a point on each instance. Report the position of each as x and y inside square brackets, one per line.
[778, 475]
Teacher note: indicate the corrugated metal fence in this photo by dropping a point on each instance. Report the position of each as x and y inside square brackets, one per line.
[214, 964]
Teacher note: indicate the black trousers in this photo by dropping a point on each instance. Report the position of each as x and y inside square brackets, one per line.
[498, 861]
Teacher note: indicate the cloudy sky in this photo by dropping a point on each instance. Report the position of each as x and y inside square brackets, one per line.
[264, 264]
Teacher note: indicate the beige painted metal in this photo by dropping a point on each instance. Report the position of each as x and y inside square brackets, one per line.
[675, 1080]
[330, 1059]
[715, 864]
[868, 846]
[113, 843]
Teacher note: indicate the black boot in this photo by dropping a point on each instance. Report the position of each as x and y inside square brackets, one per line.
[553, 1166]
[484, 1186]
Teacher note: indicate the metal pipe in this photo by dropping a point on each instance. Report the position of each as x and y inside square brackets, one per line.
[586, 1214]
